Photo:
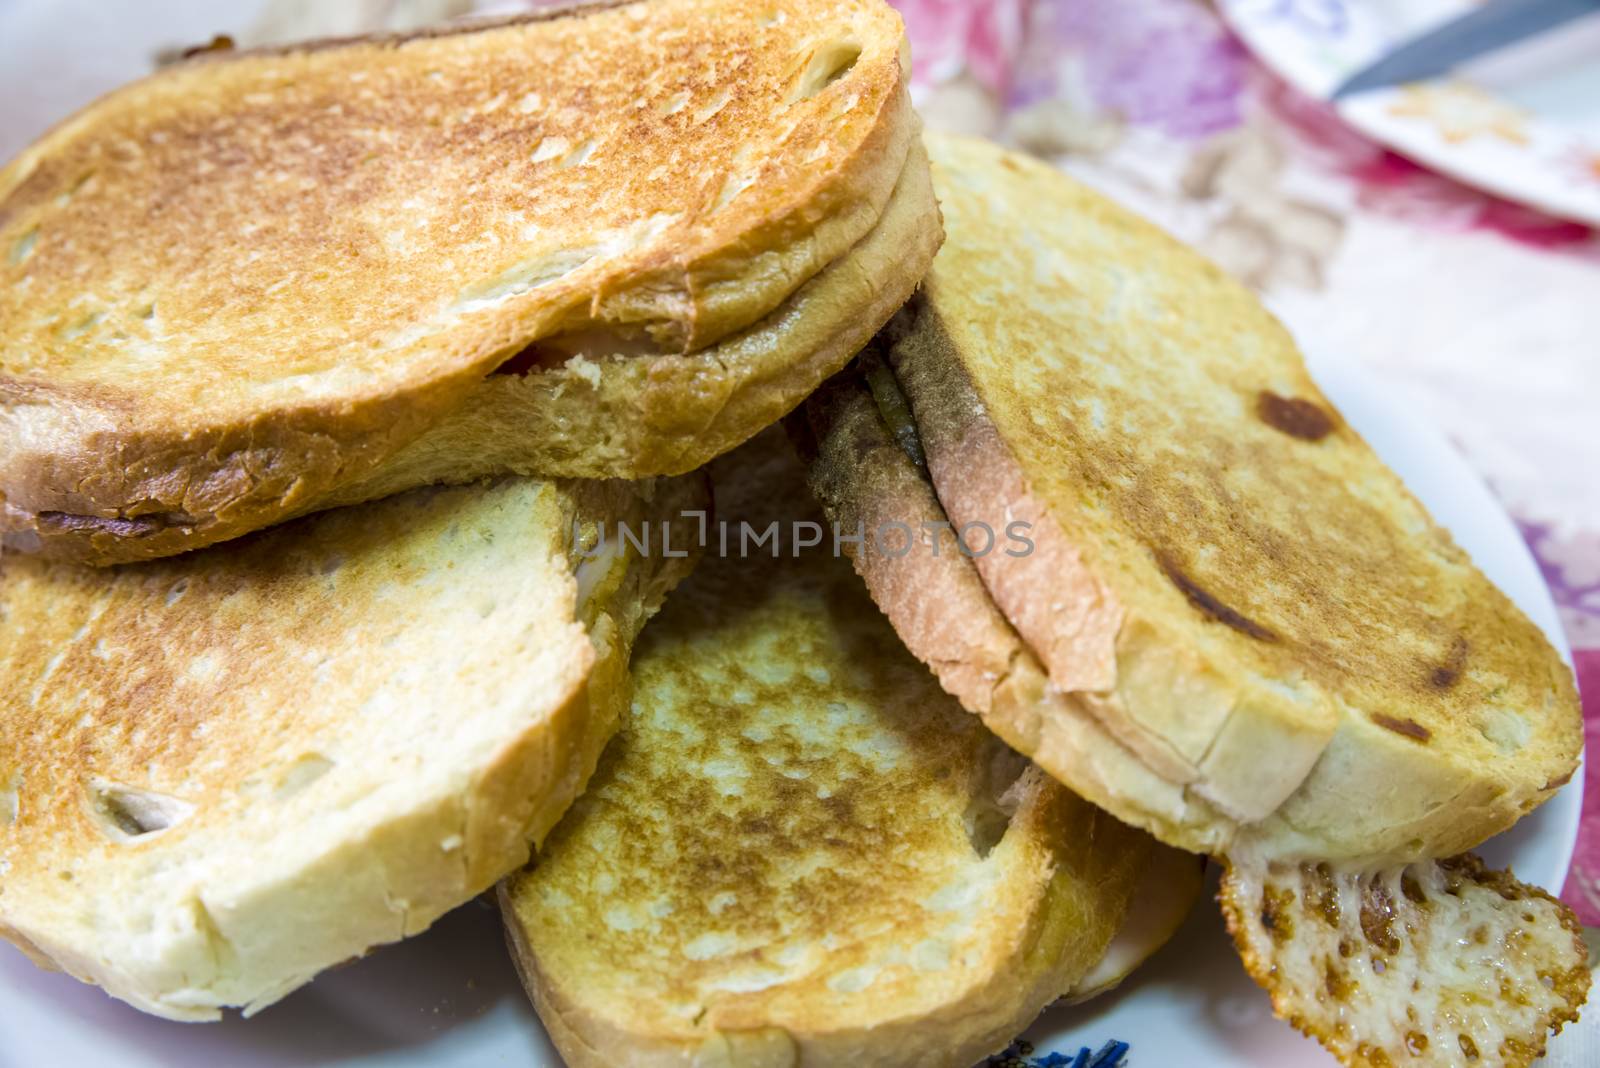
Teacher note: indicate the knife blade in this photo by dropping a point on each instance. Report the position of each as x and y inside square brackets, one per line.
[1495, 25]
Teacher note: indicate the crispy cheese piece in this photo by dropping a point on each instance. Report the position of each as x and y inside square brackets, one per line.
[1434, 963]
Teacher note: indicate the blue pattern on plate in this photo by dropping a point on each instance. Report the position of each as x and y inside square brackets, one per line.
[1020, 1055]
[1326, 17]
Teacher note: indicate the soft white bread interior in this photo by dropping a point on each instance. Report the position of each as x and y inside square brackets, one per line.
[798, 850]
[223, 773]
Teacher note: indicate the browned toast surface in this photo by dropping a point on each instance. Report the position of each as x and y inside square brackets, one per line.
[799, 850]
[223, 773]
[239, 284]
[1224, 573]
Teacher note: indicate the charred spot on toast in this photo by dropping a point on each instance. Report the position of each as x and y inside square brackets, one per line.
[220, 43]
[1406, 727]
[1295, 416]
[1209, 605]
[1444, 675]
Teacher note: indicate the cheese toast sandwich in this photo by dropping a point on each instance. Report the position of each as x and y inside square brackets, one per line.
[1189, 591]
[612, 240]
[798, 851]
[1230, 599]
[223, 773]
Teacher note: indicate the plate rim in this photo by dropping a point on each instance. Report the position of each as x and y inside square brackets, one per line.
[1366, 113]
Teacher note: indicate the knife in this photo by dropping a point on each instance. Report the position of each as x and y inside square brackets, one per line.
[1494, 25]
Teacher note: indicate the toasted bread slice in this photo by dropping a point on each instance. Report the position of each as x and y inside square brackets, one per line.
[222, 774]
[1223, 576]
[588, 417]
[235, 291]
[940, 608]
[1436, 963]
[798, 850]
[1310, 948]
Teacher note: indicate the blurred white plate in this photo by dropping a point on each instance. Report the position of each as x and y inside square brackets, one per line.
[1523, 123]
[451, 998]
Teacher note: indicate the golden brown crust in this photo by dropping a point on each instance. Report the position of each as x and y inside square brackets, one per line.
[228, 771]
[667, 414]
[371, 249]
[661, 414]
[942, 611]
[1253, 551]
[798, 851]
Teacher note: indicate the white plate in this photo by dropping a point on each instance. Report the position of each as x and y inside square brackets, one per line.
[450, 997]
[1523, 123]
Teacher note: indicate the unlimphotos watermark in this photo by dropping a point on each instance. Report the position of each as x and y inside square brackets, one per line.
[743, 539]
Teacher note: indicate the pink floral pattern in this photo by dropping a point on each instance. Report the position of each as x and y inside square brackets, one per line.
[951, 35]
[1583, 885]
[1169, 66]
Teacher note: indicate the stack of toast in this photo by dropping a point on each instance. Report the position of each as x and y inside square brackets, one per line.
[394, 507]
